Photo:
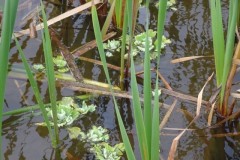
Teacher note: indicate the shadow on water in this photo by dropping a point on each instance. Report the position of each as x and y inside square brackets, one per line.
[188, 28]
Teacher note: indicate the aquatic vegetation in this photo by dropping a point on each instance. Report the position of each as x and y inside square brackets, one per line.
[98, 137]
[95, 134]
[39, 67]
[139, 44]
[68, 111]
[146, 124]
[111, 46]
[223, 49]
[104, 151]
[60, 64]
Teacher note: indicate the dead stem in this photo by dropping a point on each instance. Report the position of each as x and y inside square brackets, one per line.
[230, 77]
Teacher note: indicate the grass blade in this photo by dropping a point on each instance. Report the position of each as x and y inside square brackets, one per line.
[155, 147]
[147, 85]
[98, 36]
[123, 47]
[50, 73]
[9, 15]
[108, 19]
[137, 110]
[218, 38]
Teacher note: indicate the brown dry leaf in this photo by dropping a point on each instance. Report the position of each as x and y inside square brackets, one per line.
[187, 59]
[166, 117]
[199, 102]
[211, 114]
[176, 140]
[235, 95]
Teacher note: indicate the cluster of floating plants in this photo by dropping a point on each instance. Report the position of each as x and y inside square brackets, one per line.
[111, 46]
[98, 137]
[68, 111]
[59, 62]
[104, 151]
[138, 44]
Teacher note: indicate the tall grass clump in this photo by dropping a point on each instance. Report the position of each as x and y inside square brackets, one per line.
[9, 16]
[223, 49]
[147, 122]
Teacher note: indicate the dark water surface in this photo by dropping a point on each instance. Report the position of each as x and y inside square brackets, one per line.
[188, 28]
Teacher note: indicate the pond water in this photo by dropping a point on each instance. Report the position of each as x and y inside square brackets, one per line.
[189, 30]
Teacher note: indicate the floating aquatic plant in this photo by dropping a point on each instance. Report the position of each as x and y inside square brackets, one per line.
[60, 64]
[96, 134]
[39, 67]
[68, 111]
[104, 151]
[139, 44]
[98, 137]
[111, 46]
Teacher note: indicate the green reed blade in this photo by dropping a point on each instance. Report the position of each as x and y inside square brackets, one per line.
[50, 73]
[98, 37]
[229, 45]
[123, 47]
[155, 137]
[155, 147]
[137, 110]
[35, 89]
[9, 15]
[147, 85]
[118, 12]
[218, 38]
[108, 19]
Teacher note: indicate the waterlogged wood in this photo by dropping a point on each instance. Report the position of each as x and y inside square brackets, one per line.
[187, 59]
[59, 18]
[68, 57]
[90, 45]
[78, 86]
[99, 63]
[177, 129]
[176, 140]
[182, 96]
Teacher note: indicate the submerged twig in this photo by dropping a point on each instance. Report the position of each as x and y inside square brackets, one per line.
[183, 59]
[99, 63]
[90, 45]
